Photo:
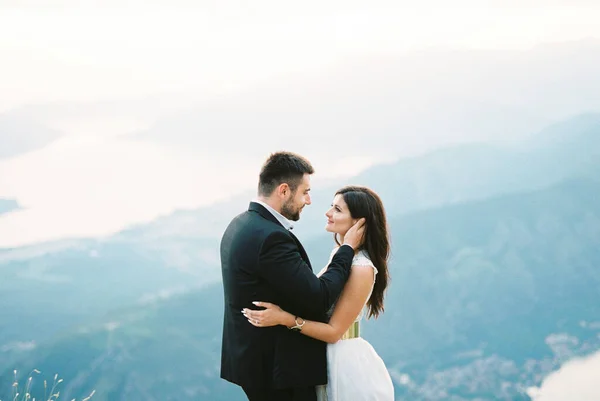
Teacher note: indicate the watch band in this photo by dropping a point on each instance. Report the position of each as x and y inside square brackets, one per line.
[298, 326]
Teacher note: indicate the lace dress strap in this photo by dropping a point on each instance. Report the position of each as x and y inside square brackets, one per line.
[362, 259]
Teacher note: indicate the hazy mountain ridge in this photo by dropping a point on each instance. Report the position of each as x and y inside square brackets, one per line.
[129, 350]
[519, 216]
[58, 286]
[446, 176]
[187, 241]
[510, 290]
[463, 325]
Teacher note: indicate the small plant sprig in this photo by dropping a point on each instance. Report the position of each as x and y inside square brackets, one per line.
[25, 394]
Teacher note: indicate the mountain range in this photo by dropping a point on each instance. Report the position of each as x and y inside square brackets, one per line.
[486, 299]
[494, 282]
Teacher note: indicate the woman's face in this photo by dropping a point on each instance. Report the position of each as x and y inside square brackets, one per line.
[339, 219]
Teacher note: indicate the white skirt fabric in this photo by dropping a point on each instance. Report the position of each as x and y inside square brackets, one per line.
[355, 373]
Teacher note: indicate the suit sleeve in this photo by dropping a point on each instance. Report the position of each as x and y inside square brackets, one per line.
[281, 264]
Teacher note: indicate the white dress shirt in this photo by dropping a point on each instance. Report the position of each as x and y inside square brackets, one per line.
[287, 224]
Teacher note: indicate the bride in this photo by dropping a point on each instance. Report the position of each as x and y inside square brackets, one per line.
[355, 370]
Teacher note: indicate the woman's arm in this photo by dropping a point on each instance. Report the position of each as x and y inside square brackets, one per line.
[284, 270]
[352, 300]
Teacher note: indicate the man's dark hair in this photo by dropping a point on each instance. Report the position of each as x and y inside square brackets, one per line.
[283, 167]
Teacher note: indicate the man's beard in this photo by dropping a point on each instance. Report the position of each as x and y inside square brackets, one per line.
[289, 212]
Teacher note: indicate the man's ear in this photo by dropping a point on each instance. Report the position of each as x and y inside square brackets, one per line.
[283, 190]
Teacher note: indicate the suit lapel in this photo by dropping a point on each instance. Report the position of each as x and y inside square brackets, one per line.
[260, 209]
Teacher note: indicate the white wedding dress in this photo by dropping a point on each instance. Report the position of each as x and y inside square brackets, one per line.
[355, 371]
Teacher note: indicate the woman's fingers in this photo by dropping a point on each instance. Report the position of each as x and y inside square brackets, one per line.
[252, 318]
[263, 317]
[253, 314]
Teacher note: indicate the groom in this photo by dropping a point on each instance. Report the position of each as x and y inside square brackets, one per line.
[261, 259]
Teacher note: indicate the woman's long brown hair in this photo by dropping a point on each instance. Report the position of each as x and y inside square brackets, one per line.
[364, 202]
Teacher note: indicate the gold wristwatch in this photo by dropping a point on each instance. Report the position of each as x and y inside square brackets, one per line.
[298, 326]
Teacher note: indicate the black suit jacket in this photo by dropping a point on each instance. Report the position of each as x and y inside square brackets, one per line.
[262, 261]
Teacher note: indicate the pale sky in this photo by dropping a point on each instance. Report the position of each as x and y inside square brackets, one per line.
[112, 48]
[93, 181]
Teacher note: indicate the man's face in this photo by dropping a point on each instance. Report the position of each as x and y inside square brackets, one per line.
[297, 200]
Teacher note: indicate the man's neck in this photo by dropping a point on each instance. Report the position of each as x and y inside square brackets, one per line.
[270, 202]
[284, 221]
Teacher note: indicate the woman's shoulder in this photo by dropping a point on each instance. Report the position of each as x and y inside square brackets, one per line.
[362, 259]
